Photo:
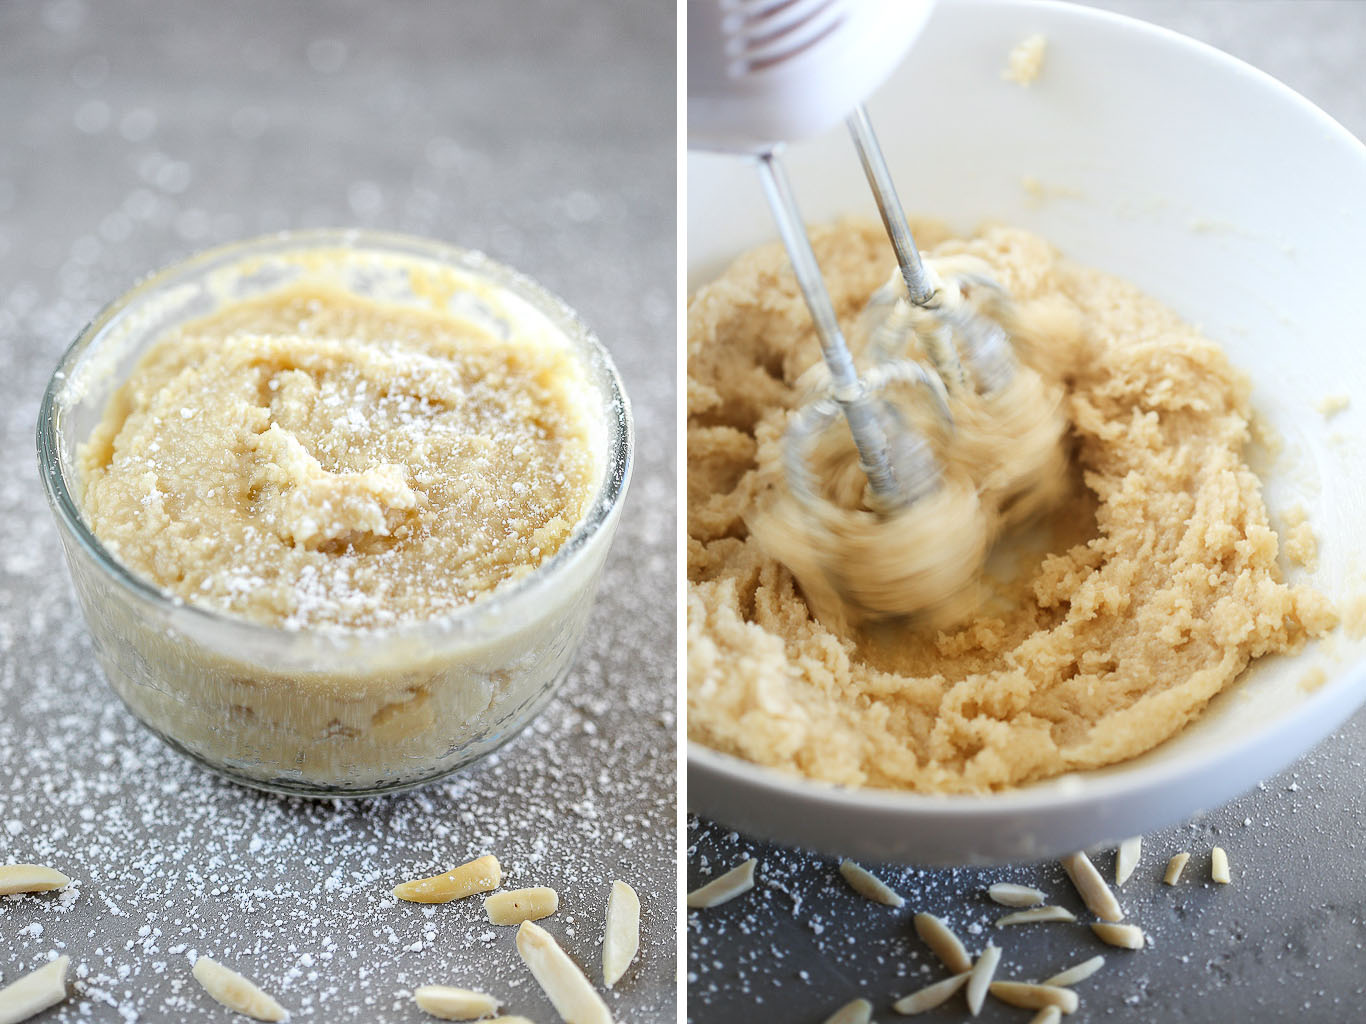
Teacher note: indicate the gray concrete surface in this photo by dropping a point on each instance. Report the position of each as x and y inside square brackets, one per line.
[133, 132]
[1284, 942]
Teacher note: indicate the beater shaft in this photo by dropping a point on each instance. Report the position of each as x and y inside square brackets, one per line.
[919, 286]
[985, 344]
[847, 390]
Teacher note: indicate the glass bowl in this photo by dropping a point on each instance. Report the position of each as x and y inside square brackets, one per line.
[331, 711]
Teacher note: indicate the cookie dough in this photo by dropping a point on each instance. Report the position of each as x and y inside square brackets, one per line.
[313, 457]
[998, 458]
[1103, 630]
[359, 463]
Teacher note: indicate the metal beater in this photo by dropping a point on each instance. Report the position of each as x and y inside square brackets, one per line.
[767, 71]
[762, 71]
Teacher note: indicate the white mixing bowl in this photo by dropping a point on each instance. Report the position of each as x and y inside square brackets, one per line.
[1222, 193]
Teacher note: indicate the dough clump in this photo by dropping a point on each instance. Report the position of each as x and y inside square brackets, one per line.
[1096, 637]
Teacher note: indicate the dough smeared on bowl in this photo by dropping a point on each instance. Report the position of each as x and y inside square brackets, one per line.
[1105, 632]
[1024, 63]
[314, 457]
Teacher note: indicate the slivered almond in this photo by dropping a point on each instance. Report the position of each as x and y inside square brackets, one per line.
[1094, 892]
[936, 934]
[235, 992]
[1083, 970]
[980, 978]
[621, 940]
[518, 905]
[30, 878]
[1124, 936]
[857, 1011]
[931, 996]
[733, 883]
[560, 978]
[450, 1003]
[1175, 866]
[1010, 895]
[34, 992]
[867, 885]
[1035, 915]
[1048, 1015]
[1127, 858]
[1035, 997]
[483, 874]
[1218, 866]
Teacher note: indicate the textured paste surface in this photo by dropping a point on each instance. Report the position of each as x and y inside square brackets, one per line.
[1154, 585]
[312, 457]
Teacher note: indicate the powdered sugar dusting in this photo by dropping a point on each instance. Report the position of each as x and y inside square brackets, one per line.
[1275, 941]
[168, 863]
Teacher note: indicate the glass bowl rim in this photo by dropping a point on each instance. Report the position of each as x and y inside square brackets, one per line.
[607, 500]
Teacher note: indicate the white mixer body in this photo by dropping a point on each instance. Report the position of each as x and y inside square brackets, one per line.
[762, 72]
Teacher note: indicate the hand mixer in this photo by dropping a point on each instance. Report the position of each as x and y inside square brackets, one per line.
[763, 72]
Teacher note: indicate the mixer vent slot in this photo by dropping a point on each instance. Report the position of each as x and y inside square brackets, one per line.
[764, 34]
